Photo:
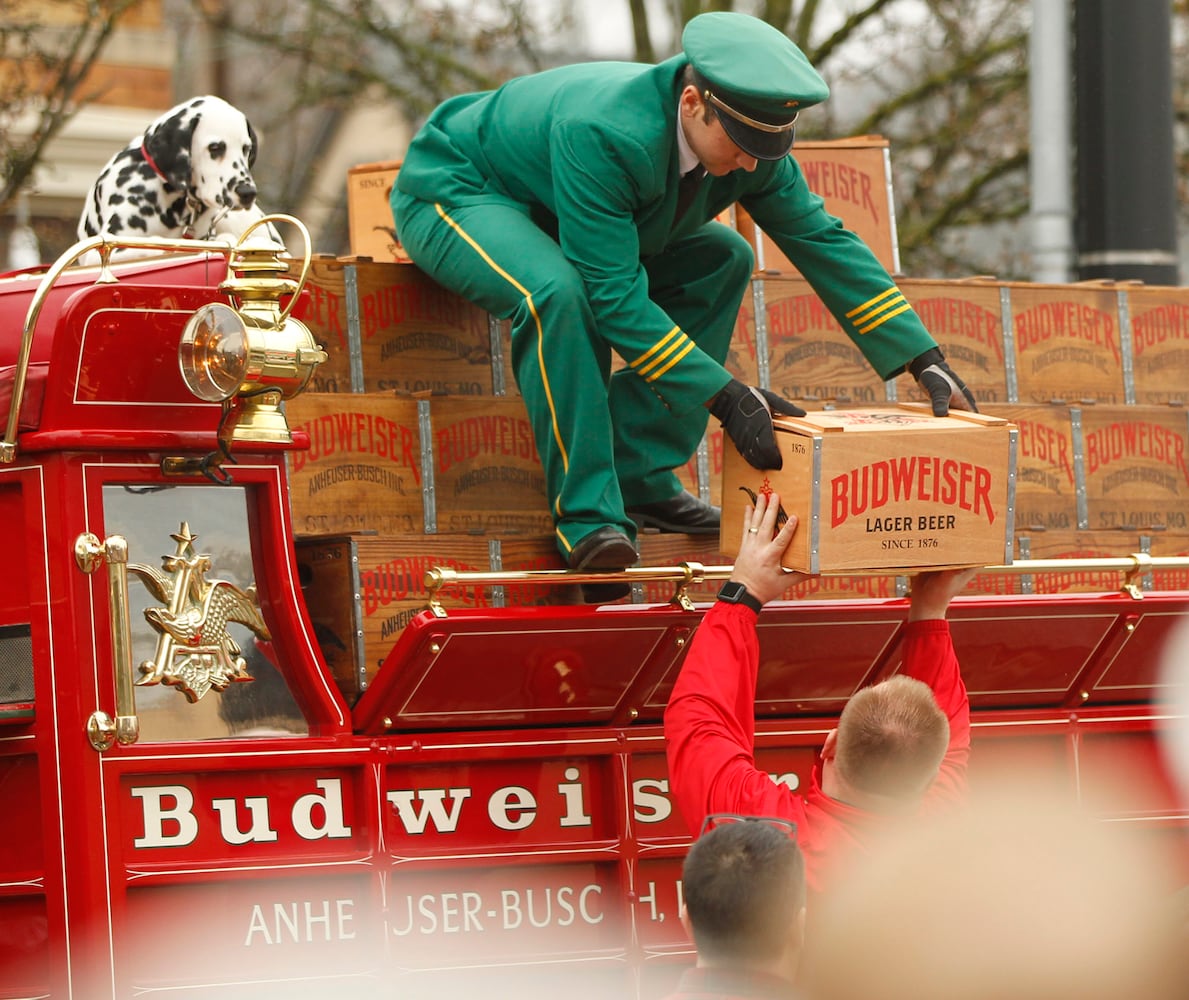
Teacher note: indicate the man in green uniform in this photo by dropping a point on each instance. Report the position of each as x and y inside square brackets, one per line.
[579, 203]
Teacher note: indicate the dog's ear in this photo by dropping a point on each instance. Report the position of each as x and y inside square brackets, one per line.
[168, 143]
[255, 144]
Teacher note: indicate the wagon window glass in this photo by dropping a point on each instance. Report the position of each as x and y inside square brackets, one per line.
[183, 583]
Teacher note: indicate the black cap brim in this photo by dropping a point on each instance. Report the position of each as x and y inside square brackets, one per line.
[761, 145]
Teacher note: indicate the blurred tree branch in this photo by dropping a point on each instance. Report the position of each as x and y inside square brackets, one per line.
[43, 67]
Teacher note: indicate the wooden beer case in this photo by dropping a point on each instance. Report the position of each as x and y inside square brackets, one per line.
[884, 488]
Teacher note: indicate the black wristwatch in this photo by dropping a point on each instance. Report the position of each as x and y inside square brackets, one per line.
[732, 592]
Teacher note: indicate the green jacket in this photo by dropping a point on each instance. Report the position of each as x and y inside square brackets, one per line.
[591, 149]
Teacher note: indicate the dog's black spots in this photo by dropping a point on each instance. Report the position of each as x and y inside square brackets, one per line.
[136, 222]
[187, 164]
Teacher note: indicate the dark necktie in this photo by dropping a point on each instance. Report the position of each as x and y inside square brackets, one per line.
[687, 188]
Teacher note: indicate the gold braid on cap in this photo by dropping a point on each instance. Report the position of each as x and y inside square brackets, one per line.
[749, 122]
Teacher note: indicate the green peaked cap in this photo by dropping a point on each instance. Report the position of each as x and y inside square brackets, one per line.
[756, 77]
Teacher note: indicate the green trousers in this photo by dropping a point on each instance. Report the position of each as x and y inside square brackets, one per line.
[605, 440]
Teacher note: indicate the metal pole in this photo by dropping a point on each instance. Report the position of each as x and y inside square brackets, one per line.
[1127, 207]
[1051, 141]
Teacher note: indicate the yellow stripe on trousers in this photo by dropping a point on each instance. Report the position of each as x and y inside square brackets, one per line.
[528, 301]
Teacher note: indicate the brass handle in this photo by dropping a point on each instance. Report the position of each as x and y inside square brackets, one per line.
[90, 554]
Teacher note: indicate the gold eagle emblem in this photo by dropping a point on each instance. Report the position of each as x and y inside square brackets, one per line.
[195, 652]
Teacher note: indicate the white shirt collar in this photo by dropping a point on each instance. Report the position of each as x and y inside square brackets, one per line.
[686, 158]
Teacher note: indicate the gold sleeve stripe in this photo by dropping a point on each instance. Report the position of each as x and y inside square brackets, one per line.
[658, 359]
[871, 303]
[532, 308]
[904, 307]
[659, 345]
[663, 361]
[689, 346]
[878, 310]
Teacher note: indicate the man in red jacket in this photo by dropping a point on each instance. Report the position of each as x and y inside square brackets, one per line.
[900, 747]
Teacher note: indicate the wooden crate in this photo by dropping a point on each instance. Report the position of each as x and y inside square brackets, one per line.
[892, 488]
[810, 357]
[1066, 343]
[362, 471]
[853, 178]
[487, 474]
[361, 591]
[370, 227]
[747, 343]
[662, 549]
[1167, 543]
[1137, 472]
[1049, 480]
[1075, 545]
[702, 474]
[966, 320]
[1158, 319]
[389, 327]
[389, 576]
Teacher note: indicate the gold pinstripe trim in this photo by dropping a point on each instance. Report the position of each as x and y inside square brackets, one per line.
[528, 301]
[878, 310]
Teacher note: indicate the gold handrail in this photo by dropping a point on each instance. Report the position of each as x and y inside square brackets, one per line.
[440, 578]
[90, 553]
[104, 246]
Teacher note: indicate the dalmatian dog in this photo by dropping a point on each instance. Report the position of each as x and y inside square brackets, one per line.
[188, 176]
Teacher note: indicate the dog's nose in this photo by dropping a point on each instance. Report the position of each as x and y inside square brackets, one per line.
[246, 192]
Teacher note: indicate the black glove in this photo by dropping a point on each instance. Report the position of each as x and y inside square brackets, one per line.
[746, 415]
[937, 378]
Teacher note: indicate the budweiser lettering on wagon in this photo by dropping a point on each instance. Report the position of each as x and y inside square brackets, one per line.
[890, 488]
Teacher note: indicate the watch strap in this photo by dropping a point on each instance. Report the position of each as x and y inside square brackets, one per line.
[732, 592]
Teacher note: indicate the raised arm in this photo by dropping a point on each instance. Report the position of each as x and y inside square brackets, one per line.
[929, 656]
[710, 719]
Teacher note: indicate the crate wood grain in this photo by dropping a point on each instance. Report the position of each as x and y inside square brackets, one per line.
[487, 474]
[362, 471]
[966, 320]
[1067, 343]
[1159, 322]
[1049, 479]
[362, 591]
[1137, 468]
[809, 355]
[1167, 543]
[1075, 545]
[370, 227]
[389, 327]
[853, 178]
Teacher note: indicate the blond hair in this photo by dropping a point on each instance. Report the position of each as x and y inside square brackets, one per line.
[892, 737]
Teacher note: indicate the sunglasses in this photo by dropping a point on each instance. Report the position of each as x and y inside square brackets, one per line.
[715, 820]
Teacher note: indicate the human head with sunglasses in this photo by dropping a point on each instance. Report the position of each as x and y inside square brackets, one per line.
[743, 884]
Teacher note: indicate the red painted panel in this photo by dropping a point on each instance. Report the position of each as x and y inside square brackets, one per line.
[21, 856]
